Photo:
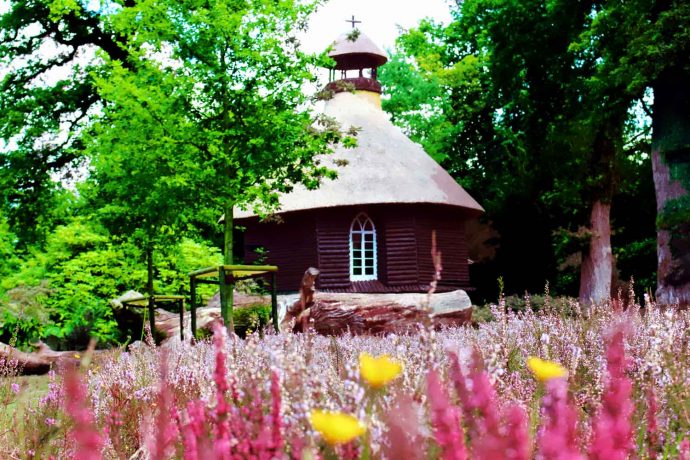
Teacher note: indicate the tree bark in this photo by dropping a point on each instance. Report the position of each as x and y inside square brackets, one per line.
[673, 285]
[40, 361]
[671, 170]
[380, 314]
[336, 315]
[597, 263]
[596, 272]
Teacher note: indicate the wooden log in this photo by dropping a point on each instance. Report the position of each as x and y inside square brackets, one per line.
[168, 323]
[338, 313]
[295, 312]
[379, 314]
[330, 317]
[37, 362]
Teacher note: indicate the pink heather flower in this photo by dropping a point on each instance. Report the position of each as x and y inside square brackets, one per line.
[480, 407]
[50, 421]
[557, 437]
[349, 451]
[445, 419]
[652, 425]
[193, 432]
[276, 419]
[297, 444]
[404, 429]
[613, 434]
[87, 440]
[54, 391]
[165, 431]
[684, 450]
[477, 395]
[460, 383]
[269, 425]
[482, 399]
[517, 441]
[222, 445]
[16, 388]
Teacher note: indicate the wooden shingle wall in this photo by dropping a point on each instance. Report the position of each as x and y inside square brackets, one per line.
[403, 247]
[333, 239]
[449, 226]
[291, 245]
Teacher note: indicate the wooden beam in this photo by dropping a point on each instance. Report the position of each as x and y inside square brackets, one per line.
[274, 302]
[192, 305]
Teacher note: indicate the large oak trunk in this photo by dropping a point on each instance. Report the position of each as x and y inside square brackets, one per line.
[597, 263]
[673, 268]
[671, 169]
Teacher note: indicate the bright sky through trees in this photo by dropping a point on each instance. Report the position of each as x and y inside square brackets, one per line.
[380, 19]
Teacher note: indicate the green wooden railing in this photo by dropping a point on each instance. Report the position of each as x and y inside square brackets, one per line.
[224, 275]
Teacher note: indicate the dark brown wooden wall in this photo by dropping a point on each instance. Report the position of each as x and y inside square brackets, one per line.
[333, 238]
[401, 248]
[403, 242]
[449, 226]
[291, 245]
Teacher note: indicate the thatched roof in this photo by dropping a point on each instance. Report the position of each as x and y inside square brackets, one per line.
[385, 167]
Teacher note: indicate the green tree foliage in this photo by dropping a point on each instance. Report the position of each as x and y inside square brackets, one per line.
[8, 257]
[62, 293]
[47, 98]
[523, 123]
[66, 287]
[217, 92]
[418, 105]
[139, 184]
[179, 110]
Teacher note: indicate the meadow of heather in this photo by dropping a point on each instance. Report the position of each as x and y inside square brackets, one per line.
[616, 386]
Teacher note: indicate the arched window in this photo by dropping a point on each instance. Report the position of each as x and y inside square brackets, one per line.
[363, 249]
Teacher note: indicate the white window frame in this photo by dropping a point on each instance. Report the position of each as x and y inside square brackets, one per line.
[359, 226]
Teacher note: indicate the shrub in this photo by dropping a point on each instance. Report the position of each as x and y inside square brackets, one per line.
[251, 318]
[61, 294]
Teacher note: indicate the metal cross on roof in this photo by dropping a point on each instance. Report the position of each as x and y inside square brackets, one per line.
[353, 21]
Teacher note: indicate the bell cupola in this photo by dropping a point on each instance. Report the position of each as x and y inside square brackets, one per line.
[356, 61]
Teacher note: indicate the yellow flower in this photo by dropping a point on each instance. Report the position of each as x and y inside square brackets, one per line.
[336, 427]
[378, 372]
[77, 356]
[545, 370]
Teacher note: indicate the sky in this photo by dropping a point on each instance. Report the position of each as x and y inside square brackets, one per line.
[380, 19]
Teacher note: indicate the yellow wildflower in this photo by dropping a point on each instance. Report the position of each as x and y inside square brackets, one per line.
[336, 427]
[378, 372]
[77, 356]
[545, 370]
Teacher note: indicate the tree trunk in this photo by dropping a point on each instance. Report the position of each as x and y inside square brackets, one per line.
[227, 284]
[149, 290]
[597, 263]
[671, 170]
